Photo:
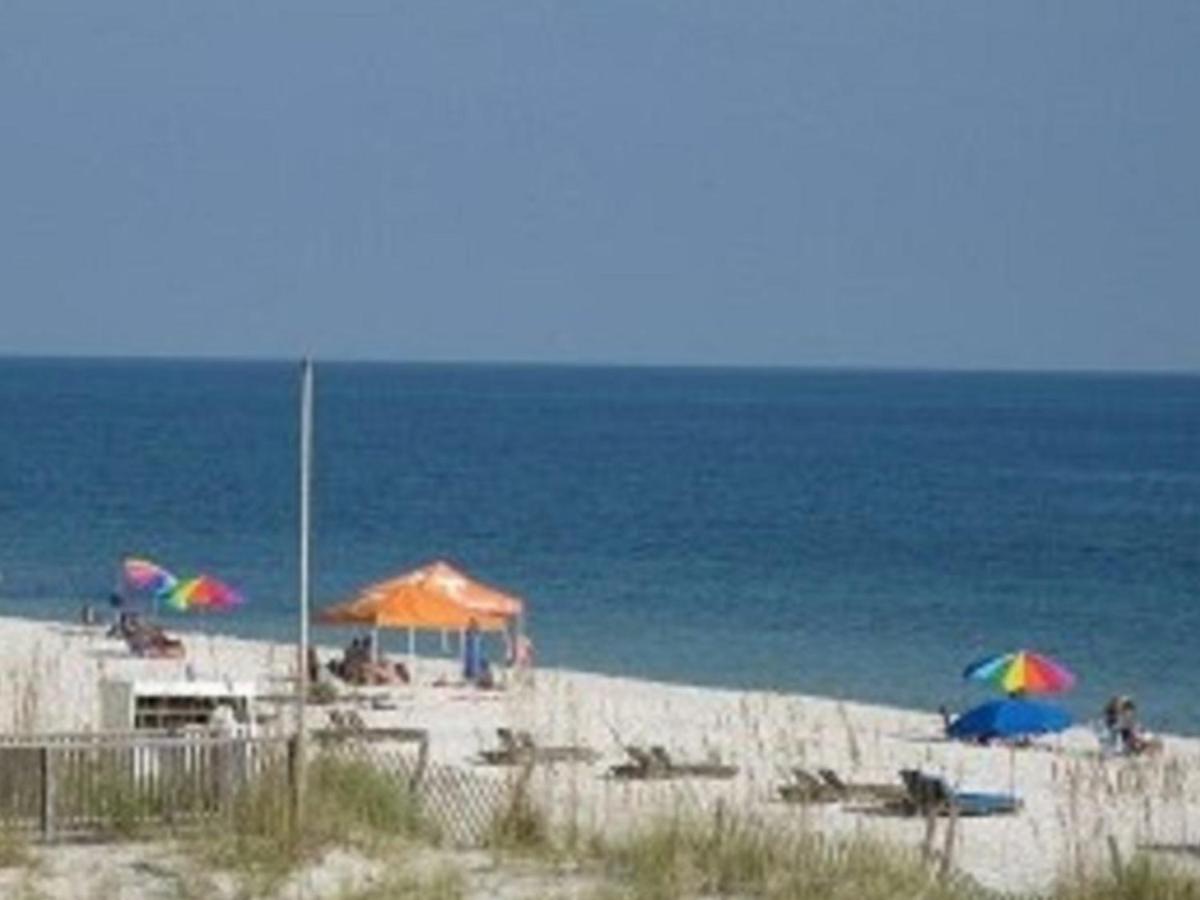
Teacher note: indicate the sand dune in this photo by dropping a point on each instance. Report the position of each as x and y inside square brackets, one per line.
[1074, 799]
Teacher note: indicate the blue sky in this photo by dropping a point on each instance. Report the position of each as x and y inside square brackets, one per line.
[940, 184]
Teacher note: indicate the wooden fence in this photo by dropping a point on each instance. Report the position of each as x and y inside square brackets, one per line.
[88, 784]
[74, 784]
[460, 804]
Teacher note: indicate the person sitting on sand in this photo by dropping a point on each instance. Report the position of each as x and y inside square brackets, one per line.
[148, 639]
[486, 679]
[1132, 739]
[1110, 738]
[125, 625]
[351, 666]
[521, 653]
[1121, 732]
[402, 674]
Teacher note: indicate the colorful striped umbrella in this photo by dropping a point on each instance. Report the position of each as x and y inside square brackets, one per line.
[1021, 672]
[204, 593]
[143, 575]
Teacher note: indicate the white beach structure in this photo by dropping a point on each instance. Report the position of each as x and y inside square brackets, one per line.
[175, 705]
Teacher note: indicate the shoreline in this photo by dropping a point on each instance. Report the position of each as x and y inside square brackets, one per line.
[1074, 799]
[957, 698]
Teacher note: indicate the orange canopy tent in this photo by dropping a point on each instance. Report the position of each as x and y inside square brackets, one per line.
[437, 596]
[475, 596]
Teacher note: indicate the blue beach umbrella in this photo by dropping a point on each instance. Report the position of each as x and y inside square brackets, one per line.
[1008, 719]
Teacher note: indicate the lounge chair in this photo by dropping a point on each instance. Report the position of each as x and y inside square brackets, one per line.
[930, 794]
[347, 720]
[807, 788]
[152, 642]
[512, 751]
[641, 765]
[518, 748]
[657, 763]
[692, 769]
[858, 790]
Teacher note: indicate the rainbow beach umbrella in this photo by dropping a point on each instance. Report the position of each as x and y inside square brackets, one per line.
[143, 575]
[204, 593]
[1021, 672]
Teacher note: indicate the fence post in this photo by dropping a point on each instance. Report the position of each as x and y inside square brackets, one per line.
[422, 761]
[1114, 859]
[948, 848]
[930, 833]
[294, 774]
[46, 767]
[224, 756]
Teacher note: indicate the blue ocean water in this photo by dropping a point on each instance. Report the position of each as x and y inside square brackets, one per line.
[857, 534]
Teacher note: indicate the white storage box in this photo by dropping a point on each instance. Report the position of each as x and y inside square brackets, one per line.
[175, 705]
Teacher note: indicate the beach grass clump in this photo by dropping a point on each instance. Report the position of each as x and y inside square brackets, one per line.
[1141, 879]
[15, 852]
[519, 826]
[724, 855]
[322, 693]
[348, 804]
[256, 837]
[110, 791]
[122, 809]
[101, 787]
[355, 797]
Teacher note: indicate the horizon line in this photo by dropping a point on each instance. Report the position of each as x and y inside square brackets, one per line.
[880, 368]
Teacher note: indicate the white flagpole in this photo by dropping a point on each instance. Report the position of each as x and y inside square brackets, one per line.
[306, 391]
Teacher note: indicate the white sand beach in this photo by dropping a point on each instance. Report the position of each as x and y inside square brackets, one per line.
[1074, 800]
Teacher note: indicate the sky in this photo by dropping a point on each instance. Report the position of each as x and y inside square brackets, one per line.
[962, 184]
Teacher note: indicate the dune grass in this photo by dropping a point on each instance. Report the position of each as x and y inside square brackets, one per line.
[15, 851]
[518, 825]
[713, 853]
[349, 804]
[1142, 879]
[726, 856]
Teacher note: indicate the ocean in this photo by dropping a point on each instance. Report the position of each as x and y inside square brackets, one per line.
[857, 534]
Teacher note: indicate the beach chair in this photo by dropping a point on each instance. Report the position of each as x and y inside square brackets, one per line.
[642, 765]
[347, 720]
[153, 643]
[518, 748]
[676, 769]
[509, 753]
[807, 788]
[657, 763]
[857, 790]
[930, 794]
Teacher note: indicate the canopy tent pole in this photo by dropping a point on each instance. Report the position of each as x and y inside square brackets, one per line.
[412, 653]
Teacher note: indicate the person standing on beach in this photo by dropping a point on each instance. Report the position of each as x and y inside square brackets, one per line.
[472, 652]
[522, 658]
